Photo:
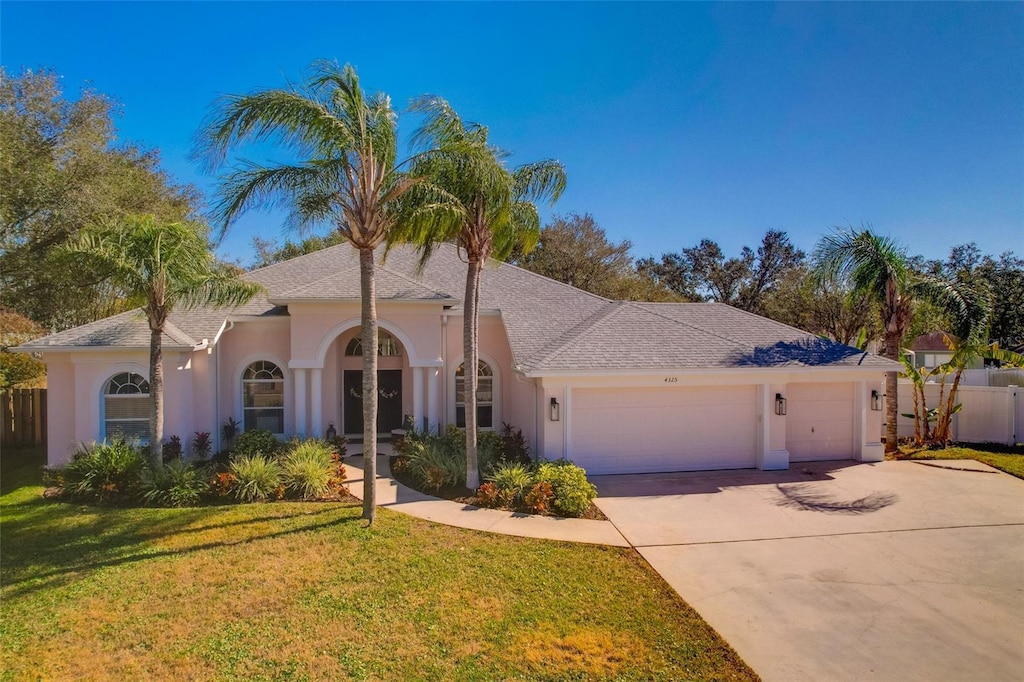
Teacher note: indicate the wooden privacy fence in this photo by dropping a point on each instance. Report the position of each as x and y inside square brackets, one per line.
[24, 417]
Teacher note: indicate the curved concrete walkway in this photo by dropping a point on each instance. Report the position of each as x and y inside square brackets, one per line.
[393, 495]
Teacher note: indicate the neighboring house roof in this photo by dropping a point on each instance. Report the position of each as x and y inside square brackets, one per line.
[551, 326]
[932, 341]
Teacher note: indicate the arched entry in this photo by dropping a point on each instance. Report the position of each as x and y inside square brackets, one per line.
[390, 364]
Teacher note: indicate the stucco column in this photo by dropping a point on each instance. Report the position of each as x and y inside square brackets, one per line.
[433, 396]
[300, 402]
[316, 408]
[769, 459]
[417, 398]
[867, 445]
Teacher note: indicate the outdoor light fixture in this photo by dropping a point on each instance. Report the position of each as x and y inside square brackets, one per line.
[780, 405]
[876, 401]
[554, 409]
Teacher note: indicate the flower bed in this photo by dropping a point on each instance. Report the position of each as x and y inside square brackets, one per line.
[436, 465]
[119, 473]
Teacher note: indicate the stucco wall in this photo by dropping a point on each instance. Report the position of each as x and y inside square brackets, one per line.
[245, 343]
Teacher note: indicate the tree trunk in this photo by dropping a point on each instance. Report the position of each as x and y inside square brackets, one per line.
[471, 339]
[892, 412]
[156, 397]
[943, 431]
[368, 291]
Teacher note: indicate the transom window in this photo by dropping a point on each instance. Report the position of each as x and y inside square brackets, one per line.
[263, 397]
[387, 345]
[126, 407]
[484, 396]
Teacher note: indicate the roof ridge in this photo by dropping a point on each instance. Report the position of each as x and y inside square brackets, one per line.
[292, 260]
[773, 321]
[422, 285]
[692, 326]
[175, 333]
[577, 330]
[545, 277]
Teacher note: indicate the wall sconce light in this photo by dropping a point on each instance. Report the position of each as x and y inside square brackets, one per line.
[780, 405]
[555, 410]
[876, 401]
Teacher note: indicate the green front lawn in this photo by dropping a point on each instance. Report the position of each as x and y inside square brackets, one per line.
[303, 591]
[1004, 458]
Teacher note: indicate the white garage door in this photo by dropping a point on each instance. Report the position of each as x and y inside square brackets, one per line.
[640, 430]
[819, 421]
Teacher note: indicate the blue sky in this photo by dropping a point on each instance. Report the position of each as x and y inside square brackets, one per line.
[675, 122]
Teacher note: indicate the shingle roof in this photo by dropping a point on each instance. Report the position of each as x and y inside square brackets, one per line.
[127, 330]
[551, 326]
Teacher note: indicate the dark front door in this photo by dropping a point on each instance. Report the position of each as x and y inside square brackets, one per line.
[389, 400]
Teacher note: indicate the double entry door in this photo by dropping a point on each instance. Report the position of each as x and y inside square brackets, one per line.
[389, 400]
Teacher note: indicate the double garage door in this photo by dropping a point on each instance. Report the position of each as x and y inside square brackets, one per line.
[645, 430]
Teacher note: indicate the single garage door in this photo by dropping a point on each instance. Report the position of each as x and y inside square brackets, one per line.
[819, 421]
[642, 430]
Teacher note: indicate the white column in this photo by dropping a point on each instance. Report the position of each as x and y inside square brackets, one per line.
[433, 396]
[300, 402]
[417, 398]
[866, 447]
[316, 408]
[767, 458]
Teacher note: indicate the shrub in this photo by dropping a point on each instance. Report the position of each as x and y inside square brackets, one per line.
[202, 446]
[513, 481]
[172, 449]
[222, 483]
[103, 472]
[230, 430]
[175, 484]
[257, 478]
[255, 442]
[538, 500]
[488, 495]
[573, 492]
[513, 445]
[308, 468]
[436, 461]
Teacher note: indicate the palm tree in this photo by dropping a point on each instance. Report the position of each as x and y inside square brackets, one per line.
[878, 267]
[490, 212]
[348, 176]
[160, 267]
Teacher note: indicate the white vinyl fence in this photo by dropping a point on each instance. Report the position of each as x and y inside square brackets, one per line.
[990, 414]
[992, 377]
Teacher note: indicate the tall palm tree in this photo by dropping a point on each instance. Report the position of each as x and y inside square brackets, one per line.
[161, 266]
[878, 267]
[489, 212]
[348, 176]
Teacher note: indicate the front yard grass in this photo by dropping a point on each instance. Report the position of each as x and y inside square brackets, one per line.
[303, 591]
[1004, 458]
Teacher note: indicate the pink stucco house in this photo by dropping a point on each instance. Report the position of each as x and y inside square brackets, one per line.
[615, 386]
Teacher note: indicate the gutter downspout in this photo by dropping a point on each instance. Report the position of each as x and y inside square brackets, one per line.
[443, 370]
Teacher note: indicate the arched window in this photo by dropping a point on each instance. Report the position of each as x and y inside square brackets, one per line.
[387, 345]
[484, 396]
[126, 407]
[263, 397]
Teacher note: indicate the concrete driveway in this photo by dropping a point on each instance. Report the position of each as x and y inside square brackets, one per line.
[842, 571]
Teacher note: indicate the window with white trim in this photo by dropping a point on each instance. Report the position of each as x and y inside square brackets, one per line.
[126, 407]
[484, 396]
[263, 397]
[387, 345]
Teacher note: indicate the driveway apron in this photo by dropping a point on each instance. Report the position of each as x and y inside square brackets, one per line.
[843, 571]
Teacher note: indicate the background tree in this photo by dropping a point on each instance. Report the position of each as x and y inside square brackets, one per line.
[19, 369]
[704, 273]
[575, 250]
[269, 252]
[347, 176]
[826, 308]
[63, 168]
[160, 267]
[492, 213]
